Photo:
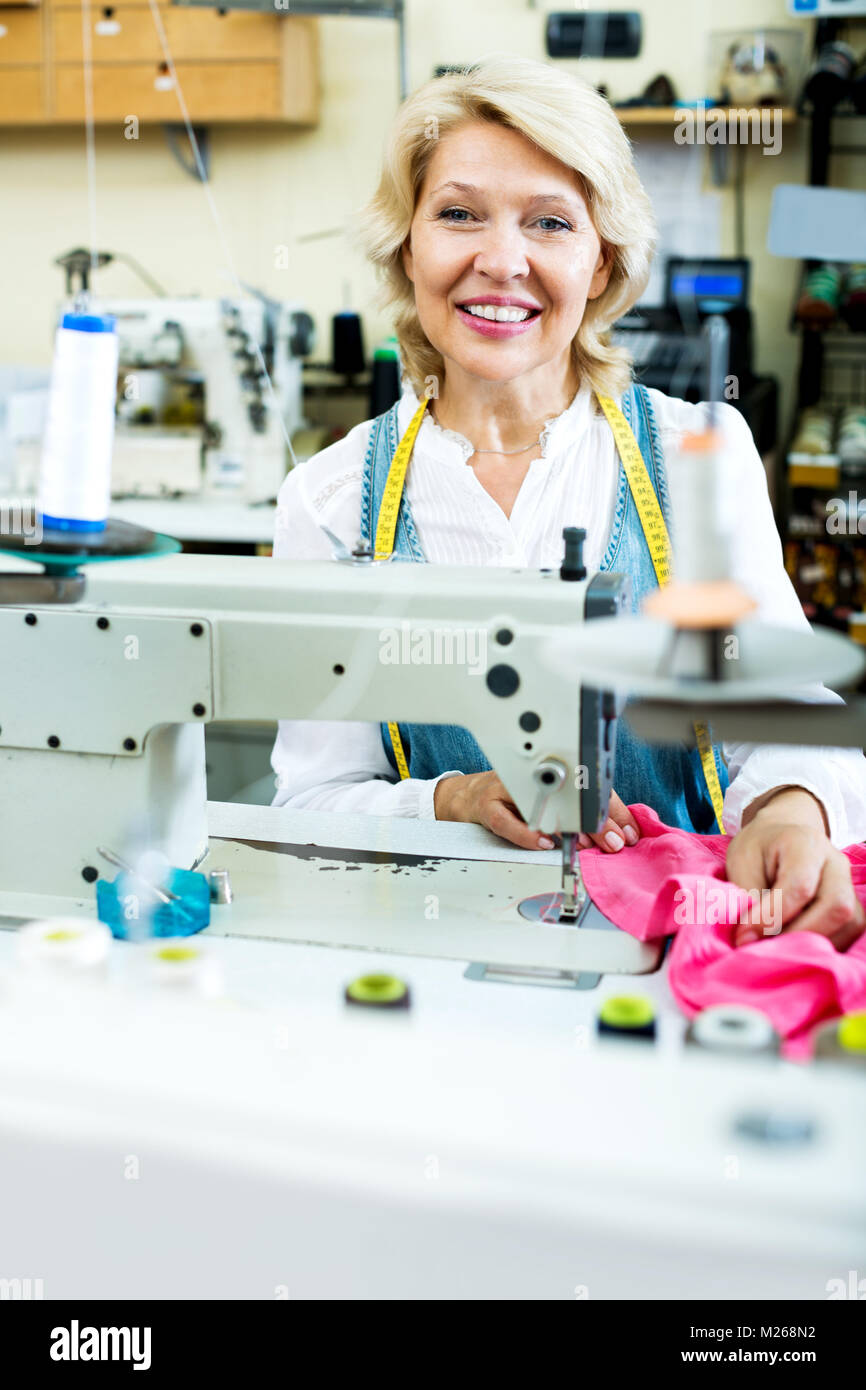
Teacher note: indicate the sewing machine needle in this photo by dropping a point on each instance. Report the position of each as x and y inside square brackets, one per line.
[571, 896]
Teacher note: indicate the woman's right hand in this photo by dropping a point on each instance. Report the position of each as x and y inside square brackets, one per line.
[481, 797]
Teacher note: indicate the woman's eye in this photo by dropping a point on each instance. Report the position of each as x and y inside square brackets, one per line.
[461, 216]
[454, 214]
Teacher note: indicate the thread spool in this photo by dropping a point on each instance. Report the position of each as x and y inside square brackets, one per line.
[733, 1028]
[385, 385]
[75, 482]
[702, 517]
[378, 992]
[178, 964]
[72, 945]
[843, 1040]
[627, 1016]
[347, 343]
[830, 77]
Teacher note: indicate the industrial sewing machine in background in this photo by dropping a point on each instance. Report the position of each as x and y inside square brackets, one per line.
[194, 408]
[209, 391]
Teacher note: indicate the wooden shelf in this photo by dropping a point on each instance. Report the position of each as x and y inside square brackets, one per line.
[232, 67]
[669, 115]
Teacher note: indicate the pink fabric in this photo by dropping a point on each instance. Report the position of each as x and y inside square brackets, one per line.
[798, 979]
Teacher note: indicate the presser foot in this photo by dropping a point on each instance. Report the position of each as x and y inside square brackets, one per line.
[572, 904]
[548, 907]
[573, 892]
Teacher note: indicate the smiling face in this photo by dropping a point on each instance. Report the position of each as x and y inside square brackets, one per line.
[502, 254]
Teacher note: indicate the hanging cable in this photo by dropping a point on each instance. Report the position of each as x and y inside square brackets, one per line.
[89, 138]
[202, 172]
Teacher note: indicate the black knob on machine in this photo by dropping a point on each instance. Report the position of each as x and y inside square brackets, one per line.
[572, 565]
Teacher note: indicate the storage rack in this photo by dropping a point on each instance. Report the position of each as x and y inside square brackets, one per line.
[832, 370]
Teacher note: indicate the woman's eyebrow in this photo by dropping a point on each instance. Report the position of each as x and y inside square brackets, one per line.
[471, 188]
[460, 188]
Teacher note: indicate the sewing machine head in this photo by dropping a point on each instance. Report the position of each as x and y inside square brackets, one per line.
[106, 698]
[194, 406]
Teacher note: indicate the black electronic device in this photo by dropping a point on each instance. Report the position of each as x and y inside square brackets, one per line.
[666, 347]
[594, 34]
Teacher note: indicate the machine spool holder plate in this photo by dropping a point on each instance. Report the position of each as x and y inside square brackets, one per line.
[61, 553]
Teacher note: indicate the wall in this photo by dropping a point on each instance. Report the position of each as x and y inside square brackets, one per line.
[273, 186]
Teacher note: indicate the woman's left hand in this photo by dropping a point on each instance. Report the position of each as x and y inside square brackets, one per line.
[783, 846]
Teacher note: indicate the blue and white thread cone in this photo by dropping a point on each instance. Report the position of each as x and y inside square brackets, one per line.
[75, 482]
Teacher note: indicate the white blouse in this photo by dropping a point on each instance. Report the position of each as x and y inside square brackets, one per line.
[341, 766]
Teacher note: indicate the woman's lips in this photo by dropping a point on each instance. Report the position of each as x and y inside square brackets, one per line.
[489, 328]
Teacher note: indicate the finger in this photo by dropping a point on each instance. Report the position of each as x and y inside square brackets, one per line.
[795, 867]
[514, 828]
[499, 818]
[622, 817]
[835, 911]
[610, 838]
[744, 866]
[619, 829]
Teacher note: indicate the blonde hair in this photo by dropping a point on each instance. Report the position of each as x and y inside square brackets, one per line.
[563, 115]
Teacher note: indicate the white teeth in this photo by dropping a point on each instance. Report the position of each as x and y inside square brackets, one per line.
[503, 314]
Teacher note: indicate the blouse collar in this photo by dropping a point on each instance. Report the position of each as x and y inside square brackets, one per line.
[449, 446]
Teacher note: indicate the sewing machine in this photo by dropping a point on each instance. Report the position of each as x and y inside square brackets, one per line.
[109, 681]
[194, 408]
[484, 1142]
[195, 415]
[171, 643]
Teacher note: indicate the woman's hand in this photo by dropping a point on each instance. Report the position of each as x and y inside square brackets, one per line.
[481, 797]
[619, 829]
[783, 846]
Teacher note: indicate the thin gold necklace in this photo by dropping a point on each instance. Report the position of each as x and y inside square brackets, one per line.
[505, 453]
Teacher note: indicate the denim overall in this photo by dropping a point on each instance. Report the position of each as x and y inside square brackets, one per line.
[667, 777]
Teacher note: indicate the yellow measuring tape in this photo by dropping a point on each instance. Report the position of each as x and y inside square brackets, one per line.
[386, 526]
[658, 540]
[651, 520]
[386, 529]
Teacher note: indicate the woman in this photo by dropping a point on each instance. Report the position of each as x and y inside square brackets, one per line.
[511, 230]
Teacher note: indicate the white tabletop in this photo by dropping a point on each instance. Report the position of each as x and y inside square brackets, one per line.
[201, 518]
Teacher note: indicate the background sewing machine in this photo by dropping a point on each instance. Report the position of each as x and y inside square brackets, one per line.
[194, 408]
[209, 391]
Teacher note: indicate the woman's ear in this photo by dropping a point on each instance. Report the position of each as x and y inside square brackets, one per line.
[601, 274]
[406, 256]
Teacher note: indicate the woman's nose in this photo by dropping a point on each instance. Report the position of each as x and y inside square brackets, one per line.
[502, 253]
